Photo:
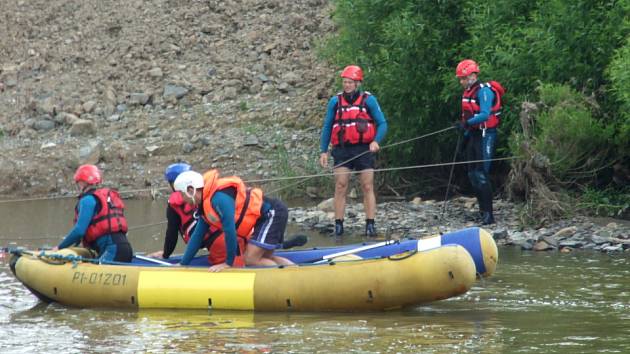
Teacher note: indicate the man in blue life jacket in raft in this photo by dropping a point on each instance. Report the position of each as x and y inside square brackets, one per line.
[355, 126]
[182, 218]
[99, 218]
[244, 215]
[481, 112]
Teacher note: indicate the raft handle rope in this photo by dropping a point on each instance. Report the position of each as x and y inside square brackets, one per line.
[64, 258]
[401, 256]
[50, 257]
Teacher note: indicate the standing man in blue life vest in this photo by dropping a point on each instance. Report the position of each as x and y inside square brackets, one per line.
[481, 109]
[99, 218]
[355, 126]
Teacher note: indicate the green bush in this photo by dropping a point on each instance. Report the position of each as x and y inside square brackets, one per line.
[409, 50]
[608, 202]
[619, 74]
[568, 134]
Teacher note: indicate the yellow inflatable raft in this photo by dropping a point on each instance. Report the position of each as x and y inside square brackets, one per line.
[392, 282]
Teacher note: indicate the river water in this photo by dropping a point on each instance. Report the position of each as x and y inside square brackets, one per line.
[535, 303]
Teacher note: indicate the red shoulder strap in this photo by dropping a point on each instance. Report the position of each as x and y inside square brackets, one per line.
[498, 88]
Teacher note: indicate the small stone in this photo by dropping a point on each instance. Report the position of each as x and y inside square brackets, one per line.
[542, 246]
[500, 234]
[139, 98]
[326, 205]
[527, 246]
[284, 87]
[564, 233]
[44, 125]
[89, 106]
[251, 140]
[263, 78]
[188, 147]
[82, 127]
[113, 118]
[48, 145]
[156, 73]
[174, 91]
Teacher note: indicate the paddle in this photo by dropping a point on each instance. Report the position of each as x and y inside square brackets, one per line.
[328, 257]
[153, 260]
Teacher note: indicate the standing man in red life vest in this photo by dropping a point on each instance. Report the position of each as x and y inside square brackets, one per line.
[481, 109]
[242, 213]
[99, 218]
[355, 125]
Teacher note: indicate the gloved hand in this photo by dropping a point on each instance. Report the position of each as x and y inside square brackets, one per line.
[460, 126]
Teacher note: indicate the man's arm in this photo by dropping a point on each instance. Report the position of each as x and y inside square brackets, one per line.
[87, 204]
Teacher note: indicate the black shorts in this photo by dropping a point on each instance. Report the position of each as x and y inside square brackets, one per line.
[347, 157]
[269, 229]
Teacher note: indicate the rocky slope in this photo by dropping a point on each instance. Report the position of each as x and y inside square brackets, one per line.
[135, 85]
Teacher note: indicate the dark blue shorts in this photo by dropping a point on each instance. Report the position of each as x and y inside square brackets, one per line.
[269, 229]
[345, 157]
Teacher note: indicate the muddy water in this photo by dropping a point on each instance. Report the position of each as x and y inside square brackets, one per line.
[537, 303]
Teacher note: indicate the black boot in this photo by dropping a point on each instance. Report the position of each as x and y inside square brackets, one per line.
[338, 227]
[370, 229]
[487, 218]
[485, 204]
[295, 241]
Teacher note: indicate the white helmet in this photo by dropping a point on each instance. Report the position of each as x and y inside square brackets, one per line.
[188, 179]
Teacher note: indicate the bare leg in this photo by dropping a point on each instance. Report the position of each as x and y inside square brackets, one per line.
[258, 256]
[366, 178]
[255, 256]
[277, 259]
[342, 176]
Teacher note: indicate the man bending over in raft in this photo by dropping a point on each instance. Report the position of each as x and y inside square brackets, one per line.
[99, 218]
[226, 203]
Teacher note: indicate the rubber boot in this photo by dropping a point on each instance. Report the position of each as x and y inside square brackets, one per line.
[295, 241]
[487, 218]
[370, 229]
[485, 204]
[479, 214]
[338, 227]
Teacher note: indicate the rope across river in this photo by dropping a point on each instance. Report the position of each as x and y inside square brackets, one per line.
[298, 179]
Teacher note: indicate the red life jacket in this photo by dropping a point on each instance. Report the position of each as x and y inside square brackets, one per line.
[217, 252]
[470, 106]
[353, 123]
[108, 218]
[186, 213]
[213, 240]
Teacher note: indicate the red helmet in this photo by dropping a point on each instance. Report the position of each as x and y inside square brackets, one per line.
[89, 174]
[352, 72]
[466, 67]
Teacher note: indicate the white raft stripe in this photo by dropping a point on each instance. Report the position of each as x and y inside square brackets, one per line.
[429, 243]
